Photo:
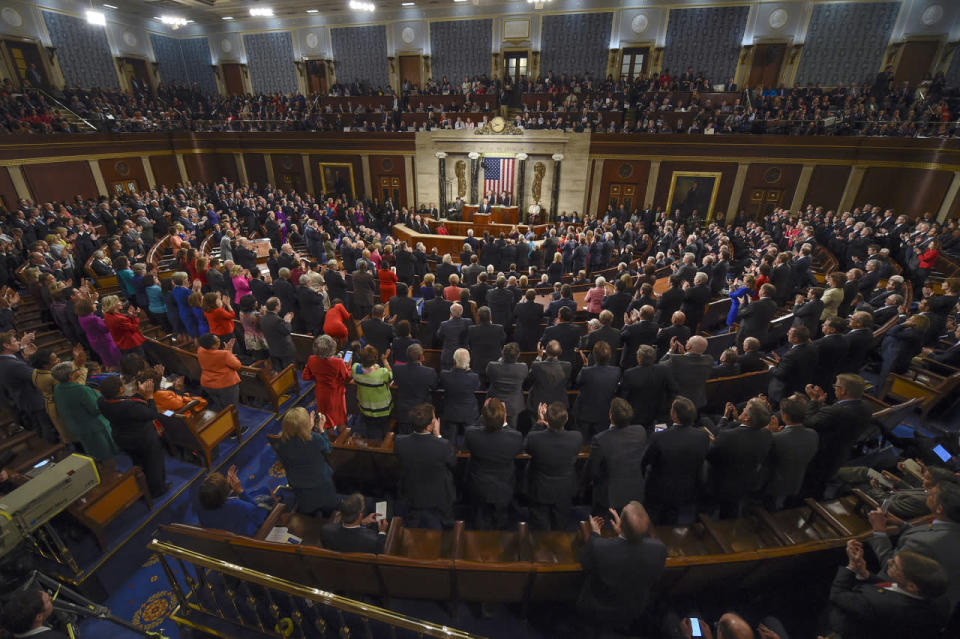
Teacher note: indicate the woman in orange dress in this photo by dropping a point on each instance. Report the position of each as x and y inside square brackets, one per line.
[330, 375]
[335, 322]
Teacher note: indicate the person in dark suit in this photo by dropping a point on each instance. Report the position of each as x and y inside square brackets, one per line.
[365, 289]
[690, 367]
[782, 278]
[223, 504]
[601, 331]
[286, 292]
[640, 328]
[695, 300]
[426, 472]
[493, 450]
[549, 378]
[303, 449]
[551, 474]
[435, 312]
[478, 291]
[901, 344]
[648, 387]
[452, 334]
[501, 302]
[528, 316]
[670, 301]
[839, 425]
[794, 445]
[889, 310]
[737, 454]
[673, 461]
[619, 571]
[26, 613]
[751, 357]
[336, 285]
[276, 331]
[403, 307]
[616, 460]
[565, 300]
[728, 366]
[352, 532]
[376, 332]
[484, 341]
[850, 290]
[796, 368]
[949, 356]
[310, 312]
[597, 384]
[755, 317]
[831, 353]
[617, 303]
[506, 376]
[17, 379]
[909, 604]
[459, 386]
[415, 383]
[807, 312]
[860, 342]
[567, 334]
[677, 331]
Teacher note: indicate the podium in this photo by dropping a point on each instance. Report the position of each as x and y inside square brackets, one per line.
[498, 215]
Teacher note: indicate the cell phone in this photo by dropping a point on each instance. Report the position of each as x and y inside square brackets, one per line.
[381, 510]
[168, 413]
[885, 506]
[347, 357]
[659, 427]
[695, 627]
[942, 453]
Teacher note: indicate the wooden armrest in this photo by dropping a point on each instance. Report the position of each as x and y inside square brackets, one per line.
[273, 493]
[933, 362]
[393, 535]
[185, 409]
[269, 523]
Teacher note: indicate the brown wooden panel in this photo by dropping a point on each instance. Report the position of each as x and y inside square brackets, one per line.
[826, 186]
[8, 192]
[165, 169]
[288, 172]
[233, 78]
[624, 172]
[123, 170]
[256, 167]
[60, 180]
[910, 191]
[916, 61]
[769, 177]
[728, 173]
[410, 69]
[209, 167]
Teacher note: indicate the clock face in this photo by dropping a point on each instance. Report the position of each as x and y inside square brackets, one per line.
[497, 124]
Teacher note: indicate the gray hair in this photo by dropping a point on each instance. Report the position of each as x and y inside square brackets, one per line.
[456, 310]
[179, 278]
[700, 278]
[62, 371]
[324, 346]
[461, 358]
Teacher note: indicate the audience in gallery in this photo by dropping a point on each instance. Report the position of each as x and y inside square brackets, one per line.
[653, 442]
[647, 103]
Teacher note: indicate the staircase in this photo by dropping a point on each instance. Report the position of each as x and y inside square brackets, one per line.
[75, 121]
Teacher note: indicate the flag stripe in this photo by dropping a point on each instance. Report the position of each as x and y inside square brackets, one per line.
[498, 175]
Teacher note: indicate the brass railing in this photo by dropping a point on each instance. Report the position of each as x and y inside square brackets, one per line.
[262, 603]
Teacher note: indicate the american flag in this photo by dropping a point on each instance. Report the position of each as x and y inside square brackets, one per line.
[498, 175]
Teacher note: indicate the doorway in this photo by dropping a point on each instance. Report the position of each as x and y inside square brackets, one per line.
[634, 62]
[233, 78]
[136, 75]
[317, 77]
[515, 66]
[763, 202]
[389, 187]
[625, 194]
[916, 60]
[27, 63]
[410, 70]
[767, 60]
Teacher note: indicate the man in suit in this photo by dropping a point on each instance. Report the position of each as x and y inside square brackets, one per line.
[566, 333]
[648, 387]
[831, 352]
[737, 454]
[751, 357]
[548, 378]
[860, 342]
[755, 317]
[17, 380]
[908, 603]
[452, 334]
[403, 307]
[671, 300]
[673, 462]
[365, 288]
[484, 341]
[807, 312]
[501, 302]
[376, 332]
[617, 303]
[796, 368]
[939, 539]
[794, 445]
[889, 310]
[336, 285]
[352, 533]
[949, 356]
[484, 207]
[435, 312]
[616, 456]
[690, 368]
[459, 401]
[728, 366]
[551, 474]
[276, 331]
[244, 256]
[639, 329]
[782, 278]
[597, 383]
[602, 333]
[493, 450]
[426, 472]
[506, 376]
[415, 383]
[471, 272]
[26, 613]
[695, 300]
[619, 571]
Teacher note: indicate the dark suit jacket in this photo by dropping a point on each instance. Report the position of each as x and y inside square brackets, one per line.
[695, 300]
[755, 319]
[691, 373]
[791, 452]
[365, 288]
[607, 334]
[435, 312]
[277, 334]
[568, 335]
[618, 577]
[648, 389]
[839, 426]
[735, 459]
[793, 372]
[414, 385]
[336, 286]
[900, 345]
[666, 335]
[311, 311]
[405, 308]
[335, 536]
[831, 353]
[501, 303]
[883, 315]
[548, 381]
[670, 301]
[860, 342]
[527, 317]
[459, 401]
[492, 462]
[616, 466]
[426, 466]
[617, 304]
[598, 386]
[552, 472]
[379, 334]
[452, 334]
[634, 336]
[808, 314]
[506, 384]
[485, 342]
[673, 461]
[287, 295]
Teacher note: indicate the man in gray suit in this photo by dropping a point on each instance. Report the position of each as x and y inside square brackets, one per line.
[365, 288]
[794, 445]
[549, 377]
[452, 335]
[276, 331]
[226, 248]
[691, 368]
[616, 460]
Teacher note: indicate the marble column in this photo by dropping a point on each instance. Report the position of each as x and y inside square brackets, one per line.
[442, 177]
[474, 174]
[555, 191]
[521, 174]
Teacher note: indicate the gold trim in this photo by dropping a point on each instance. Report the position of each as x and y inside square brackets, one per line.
[177, 619]
[779, 160]
[713, 195]
[323, 177]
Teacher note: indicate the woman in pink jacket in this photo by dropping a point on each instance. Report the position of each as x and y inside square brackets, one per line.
[594, 299]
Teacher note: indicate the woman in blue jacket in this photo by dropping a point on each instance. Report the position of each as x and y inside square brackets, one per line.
[303, 451]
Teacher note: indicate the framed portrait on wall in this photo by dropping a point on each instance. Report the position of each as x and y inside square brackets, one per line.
[693, 191]
[337, 177]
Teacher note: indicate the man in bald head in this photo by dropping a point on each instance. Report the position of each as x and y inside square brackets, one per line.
[691, 368]
[620, 569]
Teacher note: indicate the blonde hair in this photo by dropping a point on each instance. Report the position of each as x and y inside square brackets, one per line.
[296, 424]
[109, 303]
[236, 270]
[428, 279]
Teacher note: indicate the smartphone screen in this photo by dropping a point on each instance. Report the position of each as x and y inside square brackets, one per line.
[942, 453]
[381, 510]
[659, 427]
[168, 413]
[41, 464]
[347, 357]
[695, 627]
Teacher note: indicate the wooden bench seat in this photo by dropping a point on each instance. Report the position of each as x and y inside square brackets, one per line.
[202, 432]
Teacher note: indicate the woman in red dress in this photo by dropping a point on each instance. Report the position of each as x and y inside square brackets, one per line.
[335, 322]
[388, 284]
[330, 375]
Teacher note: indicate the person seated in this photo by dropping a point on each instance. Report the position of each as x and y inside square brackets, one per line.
[750, 359]
[303, 451]
[948, 357]
[26, 613]
[728, 366]
[224, 505]
[352, 533]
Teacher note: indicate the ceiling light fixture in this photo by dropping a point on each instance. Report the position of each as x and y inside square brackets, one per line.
[459, 0]
[313, 10]
[96, 17]
[356, 5]
[174, 21]
[109, 6]
[261, 12]
[227, 18]
[407, 4]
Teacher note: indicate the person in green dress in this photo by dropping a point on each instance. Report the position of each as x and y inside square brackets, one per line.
[77, 406]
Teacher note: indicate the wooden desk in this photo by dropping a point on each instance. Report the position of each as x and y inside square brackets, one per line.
[499, 215]
[451, 244]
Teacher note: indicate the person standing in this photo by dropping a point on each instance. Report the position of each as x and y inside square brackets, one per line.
[373, 390]
[551, 475]
[219, 376]
[493, 449]
[426, 466]
[330, 376]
